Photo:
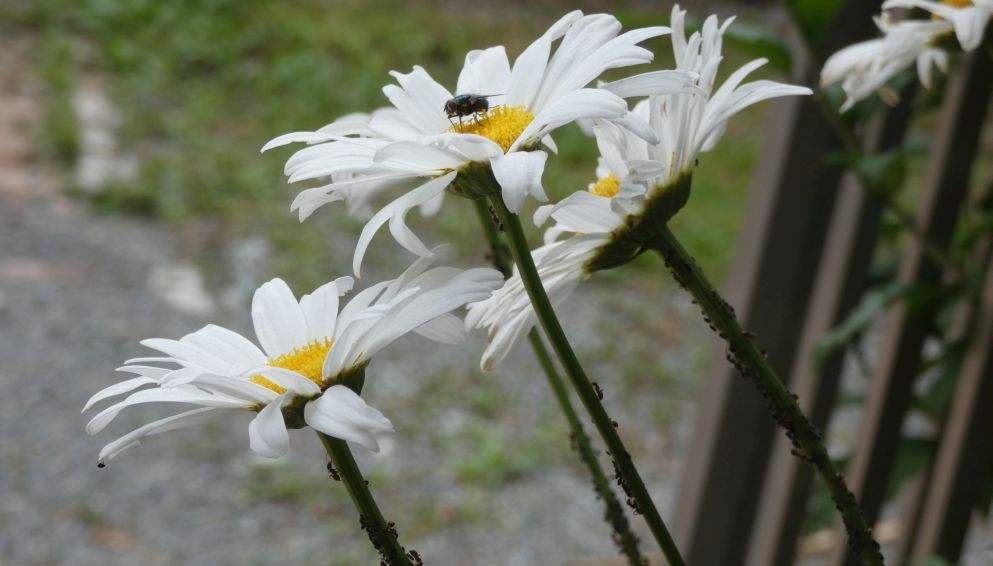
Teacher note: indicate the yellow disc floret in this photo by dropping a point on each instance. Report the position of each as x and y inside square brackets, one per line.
[307, 360]
[953, 4]
[606, 187]
[502, 124]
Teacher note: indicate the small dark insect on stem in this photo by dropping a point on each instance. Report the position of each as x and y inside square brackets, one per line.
[599, 392]
[332, 472]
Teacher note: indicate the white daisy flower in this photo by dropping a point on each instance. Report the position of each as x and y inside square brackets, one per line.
[864, 68]
[418, 147]
[307, 348]
[631, 174]
[969, 17]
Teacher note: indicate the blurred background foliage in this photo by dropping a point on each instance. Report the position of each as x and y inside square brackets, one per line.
[202, 85]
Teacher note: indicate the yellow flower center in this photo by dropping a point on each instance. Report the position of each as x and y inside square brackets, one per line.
[502, 124]
[953, 4]
[607, 187]
[308, 361]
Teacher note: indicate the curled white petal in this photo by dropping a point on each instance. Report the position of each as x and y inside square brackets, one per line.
[267, 432]
[341, 413]
[519, 175]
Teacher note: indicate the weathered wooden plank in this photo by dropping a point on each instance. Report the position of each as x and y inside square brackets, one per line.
[770, 281]
[965, 454]
[841, 278]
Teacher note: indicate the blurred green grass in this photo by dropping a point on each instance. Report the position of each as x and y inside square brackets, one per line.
[202, 85]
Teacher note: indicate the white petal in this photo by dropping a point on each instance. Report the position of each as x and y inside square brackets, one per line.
[575, 105]
[415, 156]
[969, 26]
[320, 309]
[134, 437]
[466, 287]
[420, 99]
[341, 413]
[655, 82]
[238, 388]
[446, 329]
[104, 417]
[486, 72]
[519, 175]
[471, 146]
[118, 389]
[153, 372]
[289, 380]
[267, 434]
[293, 137]
[308, 201]
[227, 345]
[529, 67]
[279, 322]
[187, 353]
[431, 207]
[585, 212]
[638, 126]
[398, 208]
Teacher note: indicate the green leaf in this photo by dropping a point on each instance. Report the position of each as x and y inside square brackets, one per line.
[867, 312]
[884, 172]
[935, 400]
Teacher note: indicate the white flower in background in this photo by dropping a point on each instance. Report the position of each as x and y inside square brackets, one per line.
[969, 17]
[866, 67]
[630, 171]
[305, 347]
[416, 148]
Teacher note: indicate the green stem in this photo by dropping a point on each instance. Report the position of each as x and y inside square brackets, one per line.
[382, 534]
[751, 362]
[614, 514]
[627, 475]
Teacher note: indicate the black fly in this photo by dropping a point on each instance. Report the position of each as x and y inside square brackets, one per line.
[467, 105]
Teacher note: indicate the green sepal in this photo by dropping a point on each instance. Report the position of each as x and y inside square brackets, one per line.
[632, 239]
[353, 378]
[475, 180]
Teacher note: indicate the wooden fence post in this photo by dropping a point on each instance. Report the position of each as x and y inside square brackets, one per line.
[965, 455]
[841, 278]
[770, 280]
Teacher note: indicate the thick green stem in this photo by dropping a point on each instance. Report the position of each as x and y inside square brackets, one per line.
[614, 514]
[751, 362]
[382, 534]
[627, 475]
